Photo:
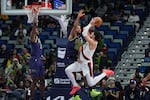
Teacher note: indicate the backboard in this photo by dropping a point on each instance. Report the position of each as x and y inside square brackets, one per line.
[49, 7]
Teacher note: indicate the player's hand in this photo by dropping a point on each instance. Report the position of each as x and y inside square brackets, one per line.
[81, 13]
[92, 22]
[79, 60]
[35, 22]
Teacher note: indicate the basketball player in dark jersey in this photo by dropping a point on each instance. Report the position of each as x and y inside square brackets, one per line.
[36, 64]
[74, 41]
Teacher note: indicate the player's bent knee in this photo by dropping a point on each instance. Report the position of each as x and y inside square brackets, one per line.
[90, 84]
[66, 70]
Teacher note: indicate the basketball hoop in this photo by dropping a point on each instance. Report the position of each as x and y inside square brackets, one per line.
[33, 12]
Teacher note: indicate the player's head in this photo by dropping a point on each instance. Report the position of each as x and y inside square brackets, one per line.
[35, 30]
[95, 34]
[78, 29]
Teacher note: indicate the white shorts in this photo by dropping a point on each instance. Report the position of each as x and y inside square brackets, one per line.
[84, 67]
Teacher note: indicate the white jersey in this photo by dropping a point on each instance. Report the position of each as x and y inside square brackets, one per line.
[86, 54]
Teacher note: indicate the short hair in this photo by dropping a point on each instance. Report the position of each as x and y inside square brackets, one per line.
[98, 35]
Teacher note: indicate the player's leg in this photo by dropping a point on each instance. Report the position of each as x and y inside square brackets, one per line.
[42, 87]
[33, 87]
[94, 80]
[75, 67]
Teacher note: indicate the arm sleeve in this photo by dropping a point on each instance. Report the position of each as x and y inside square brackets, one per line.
[86, 29]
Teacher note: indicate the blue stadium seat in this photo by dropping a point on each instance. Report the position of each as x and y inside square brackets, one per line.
[112, 56]
[45, 33]
[115, 45]
[116, 23]
[124, 32]
[143, 69]
[128, 28]
[123, 37]
[139, 12]
[50, 30]
[10, 46]
[43, 37]
[114, 50]
[111, 32]
[107, 41]
[4, 26]
[147, 59]
[103, 28]
[46, 46]
[3, 42]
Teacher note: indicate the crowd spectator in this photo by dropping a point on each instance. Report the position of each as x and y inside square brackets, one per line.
[121, 90]
[11, 86]
[101, 10]
[1, 33]
[14, 68]
[25, 55]
[7, 61]
[16, 54]
[147, 51]
[25, 67]
[103, 87]
[27, 84]
[21, 34]
[16, 22]
[122, 17]
[50, 65]
[135, 19]
[144, 92]
[89, 9]
[8, 32]
[112, 92]
[104, 62]
[137, 76]
[109, 15]
[2, 80]
[4, 52]
[132, 92]
[4, 17]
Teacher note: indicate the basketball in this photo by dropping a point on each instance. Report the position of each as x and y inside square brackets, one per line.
[98, 21]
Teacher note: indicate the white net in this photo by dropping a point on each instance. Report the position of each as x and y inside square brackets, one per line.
[32, 13]
[32, 16]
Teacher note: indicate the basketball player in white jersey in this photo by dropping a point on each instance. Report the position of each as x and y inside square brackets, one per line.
[85, 63]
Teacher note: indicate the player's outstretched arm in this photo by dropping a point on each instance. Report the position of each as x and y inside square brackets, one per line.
[76, 24]
[34, 31]
[86, 34]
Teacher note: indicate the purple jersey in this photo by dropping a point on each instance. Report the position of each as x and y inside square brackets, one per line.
[36, 64]
[36, 50]
[71, 51]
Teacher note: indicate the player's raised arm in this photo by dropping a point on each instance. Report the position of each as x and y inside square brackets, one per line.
[96, 21]
[76, 25]
[34, 32]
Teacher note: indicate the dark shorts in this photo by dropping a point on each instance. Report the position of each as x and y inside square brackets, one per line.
[69, 60]
[36, 67]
